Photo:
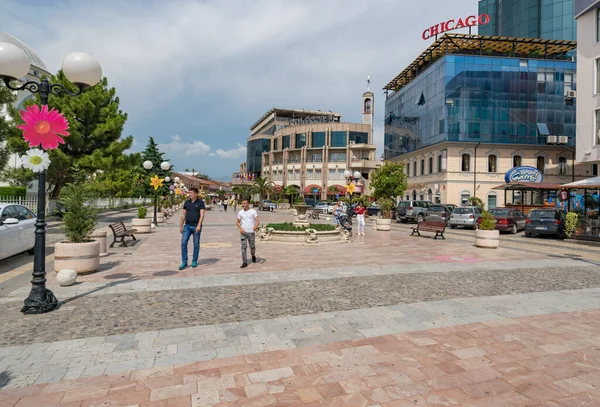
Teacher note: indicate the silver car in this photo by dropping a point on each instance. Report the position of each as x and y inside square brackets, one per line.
[465, 216]
[17, 230]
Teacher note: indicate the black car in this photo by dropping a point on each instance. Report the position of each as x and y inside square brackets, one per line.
[438, 213]
[545, 222]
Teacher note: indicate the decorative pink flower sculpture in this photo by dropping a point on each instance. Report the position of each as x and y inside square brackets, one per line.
[43, 127]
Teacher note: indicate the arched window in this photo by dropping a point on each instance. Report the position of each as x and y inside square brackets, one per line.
[414, 195]
[422, 167]
[430, 165]
[541, 163]
[408, 169]
[517, 161]
[562, 166]
[465, 164]
[492, 162]
[414, 169]
[439, 163]
[367, 105]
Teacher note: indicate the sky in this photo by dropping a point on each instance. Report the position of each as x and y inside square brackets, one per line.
[195, 75]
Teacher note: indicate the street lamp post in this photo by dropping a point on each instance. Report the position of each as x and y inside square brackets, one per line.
[84, 71]
[165, 166]
[347, 175]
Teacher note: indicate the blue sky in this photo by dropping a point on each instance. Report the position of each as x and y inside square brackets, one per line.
[196, 74]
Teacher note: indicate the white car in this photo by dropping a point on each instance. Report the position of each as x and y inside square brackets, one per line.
[17, 230]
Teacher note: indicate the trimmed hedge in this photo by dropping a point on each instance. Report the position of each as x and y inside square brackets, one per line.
[10, 192]
[289, 227]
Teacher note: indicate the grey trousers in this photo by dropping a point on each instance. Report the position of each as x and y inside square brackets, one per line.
[248, 238]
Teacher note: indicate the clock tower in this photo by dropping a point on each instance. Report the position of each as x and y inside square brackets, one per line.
[368, 104]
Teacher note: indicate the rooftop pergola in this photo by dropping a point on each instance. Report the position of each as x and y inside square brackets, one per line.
[481, 45]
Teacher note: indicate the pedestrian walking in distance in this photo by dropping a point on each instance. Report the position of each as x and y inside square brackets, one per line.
[191, 225]
[247, 222]
[360, 217]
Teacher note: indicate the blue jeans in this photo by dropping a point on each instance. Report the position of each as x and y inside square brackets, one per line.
[188, 231]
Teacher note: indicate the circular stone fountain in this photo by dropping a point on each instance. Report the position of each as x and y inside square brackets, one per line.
[301, 219]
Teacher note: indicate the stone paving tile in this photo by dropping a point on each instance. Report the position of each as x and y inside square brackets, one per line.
[213, 342]
[141, 311]
[391, 370]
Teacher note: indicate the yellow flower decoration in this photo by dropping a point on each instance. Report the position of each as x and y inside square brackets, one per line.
[156, 182]
[350, 188]
[177, 191]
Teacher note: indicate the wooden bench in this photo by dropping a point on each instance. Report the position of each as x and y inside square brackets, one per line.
[436, 227]
[120, 232]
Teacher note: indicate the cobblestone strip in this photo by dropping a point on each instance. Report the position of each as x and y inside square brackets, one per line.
[174, 283]
[87, 357]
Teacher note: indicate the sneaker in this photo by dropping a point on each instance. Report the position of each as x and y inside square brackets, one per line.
[183, 265]
[194, 264]
[244, 265]
[253, 259]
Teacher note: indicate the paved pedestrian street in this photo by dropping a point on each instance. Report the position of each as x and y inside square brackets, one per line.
[386, 320]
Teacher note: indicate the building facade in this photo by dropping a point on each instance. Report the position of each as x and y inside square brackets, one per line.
[311, 150]
[588, 76]
[548, 19]
[471, 107]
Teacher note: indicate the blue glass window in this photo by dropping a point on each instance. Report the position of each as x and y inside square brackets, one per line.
[318, 139]
[359, 137]
[339, 138]
[300, 140]
[286, 142]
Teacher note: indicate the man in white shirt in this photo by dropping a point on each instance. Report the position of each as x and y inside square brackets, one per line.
[247, 222]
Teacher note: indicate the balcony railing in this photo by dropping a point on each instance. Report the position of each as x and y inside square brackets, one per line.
[275, 162]
[293, 160]
[362, 163]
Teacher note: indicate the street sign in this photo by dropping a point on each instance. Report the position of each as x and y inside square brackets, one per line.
[315, 190]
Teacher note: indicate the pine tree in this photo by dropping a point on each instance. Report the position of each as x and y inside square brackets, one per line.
[153, 154]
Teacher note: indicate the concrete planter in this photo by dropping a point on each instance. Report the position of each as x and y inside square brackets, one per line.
[84, 258]
[384, 224]
[141, 225]
[160, 217]
[489, 239]
[310, 236]
[100, 236]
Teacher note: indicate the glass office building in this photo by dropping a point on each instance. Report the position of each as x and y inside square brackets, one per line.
[548, 19]
[481, 90]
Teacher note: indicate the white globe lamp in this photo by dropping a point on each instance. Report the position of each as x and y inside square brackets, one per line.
[177, 179]
[82, 69]
[357, 174]
[165, 165]
[167, 179]
[148, 165]
[347, 174]
[14, 63]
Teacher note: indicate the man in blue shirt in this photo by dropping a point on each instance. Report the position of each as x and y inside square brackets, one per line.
[191, 225]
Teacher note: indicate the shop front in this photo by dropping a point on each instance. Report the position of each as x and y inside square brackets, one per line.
[525, 190]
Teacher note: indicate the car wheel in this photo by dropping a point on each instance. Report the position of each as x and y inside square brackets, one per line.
[513, 231]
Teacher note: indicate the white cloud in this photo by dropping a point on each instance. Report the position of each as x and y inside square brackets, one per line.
[177, 147]
[239, 152]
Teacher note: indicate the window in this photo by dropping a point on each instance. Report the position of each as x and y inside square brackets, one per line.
[296, 174]
[337, 157]
[290, 175]
[415, 169]
[492, 162]
[309, 174]
[439, 163]
[516, 161]
[338, 139]
[367, 105]
[562, 166]
[317, 174]
[408, 169]
[598, 25]
[430, 165]
[541, 164]
[300, 140]
[465, 162]
[422, 167]
[286, 142]
[491, 200]
[359, 137]
[275, 144]
[598, 75]
[316, 158]
[332, 174]
[318, 139]
[414, 195]
[595, 170]
[464, 198]
[9, 212]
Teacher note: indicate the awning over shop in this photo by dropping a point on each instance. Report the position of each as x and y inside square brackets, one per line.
[340, 190]
[310, 188]
[589, 183]
[516, 186]
[278, 188]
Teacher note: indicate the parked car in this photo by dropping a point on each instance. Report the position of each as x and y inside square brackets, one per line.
[323, 207]
[412, 210]
[451, 207]
[438, 213]
[466, 216]
[508, 220]
[267, 205]
[373, 209]
[545, 222]
[17, 230]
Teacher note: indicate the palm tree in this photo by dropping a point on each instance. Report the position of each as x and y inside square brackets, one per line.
[289, 191]
[262, 186]
[240, 190]
[332, 190]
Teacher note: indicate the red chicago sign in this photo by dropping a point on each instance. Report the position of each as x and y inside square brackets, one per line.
[450, 25]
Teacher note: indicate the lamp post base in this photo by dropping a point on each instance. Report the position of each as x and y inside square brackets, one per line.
[40, 300]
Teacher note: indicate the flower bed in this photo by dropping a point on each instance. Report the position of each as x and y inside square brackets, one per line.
[288, 233]
[289, 227]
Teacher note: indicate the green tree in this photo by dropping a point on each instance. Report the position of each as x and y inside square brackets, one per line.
[242, 191]
[7, 127]
[389, 181]
[18, 177]
[203, 176]
[153, 154]
[262, 187]
[95, 127]
[289, 191]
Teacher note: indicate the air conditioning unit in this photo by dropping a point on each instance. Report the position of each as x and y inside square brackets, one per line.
[571, 94]
[551, 139]
[352, 142]
[563, 139]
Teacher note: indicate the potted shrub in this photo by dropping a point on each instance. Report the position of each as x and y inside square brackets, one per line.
[572, 224]
[160, 216]
[141, 224]
[385, 221]
[78, 252]
[486, 234]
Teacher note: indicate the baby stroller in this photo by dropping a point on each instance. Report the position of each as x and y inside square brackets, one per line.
[346, 223]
